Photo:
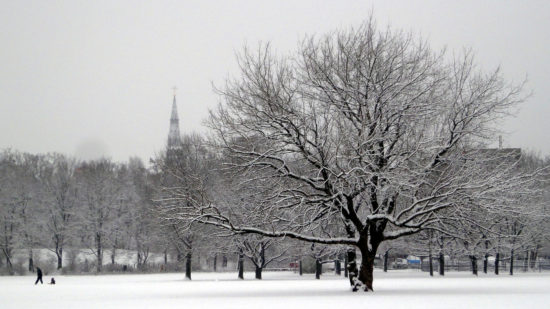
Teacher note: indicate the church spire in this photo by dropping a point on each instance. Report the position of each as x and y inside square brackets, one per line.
[174, 139]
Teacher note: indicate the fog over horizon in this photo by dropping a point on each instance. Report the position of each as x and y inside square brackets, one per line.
[95, 78]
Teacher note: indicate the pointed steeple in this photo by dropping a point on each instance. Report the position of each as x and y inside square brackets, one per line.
[174, 139]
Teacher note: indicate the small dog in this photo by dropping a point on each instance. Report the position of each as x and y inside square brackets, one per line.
[52, 281]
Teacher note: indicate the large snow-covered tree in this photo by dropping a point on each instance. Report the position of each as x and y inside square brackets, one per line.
[368, 130]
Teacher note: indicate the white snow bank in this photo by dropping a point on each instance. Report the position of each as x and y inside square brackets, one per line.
[278, 290]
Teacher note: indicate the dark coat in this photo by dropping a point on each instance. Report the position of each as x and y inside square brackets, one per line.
[38, 272]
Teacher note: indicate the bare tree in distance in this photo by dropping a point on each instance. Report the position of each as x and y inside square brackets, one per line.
[181, 167]
[366, 129]
[60, 187]
[100, 189]
[19, 201]
[261, 251]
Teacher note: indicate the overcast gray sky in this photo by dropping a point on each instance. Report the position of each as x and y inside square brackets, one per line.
[91, 78]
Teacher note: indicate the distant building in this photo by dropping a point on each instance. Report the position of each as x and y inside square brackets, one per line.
[174, 144]
[174, 138]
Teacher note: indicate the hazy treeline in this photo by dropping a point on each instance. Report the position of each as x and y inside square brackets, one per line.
[103, 208]
[58, 203]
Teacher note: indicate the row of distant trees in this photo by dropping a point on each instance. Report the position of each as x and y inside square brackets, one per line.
[64, 205]
[56, 202]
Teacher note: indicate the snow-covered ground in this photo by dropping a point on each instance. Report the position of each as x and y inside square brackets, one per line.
[396, 289]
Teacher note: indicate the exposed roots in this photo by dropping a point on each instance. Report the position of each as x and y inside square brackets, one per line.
[358, 286]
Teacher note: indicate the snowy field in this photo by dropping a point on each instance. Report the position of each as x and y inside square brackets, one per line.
[396, 289]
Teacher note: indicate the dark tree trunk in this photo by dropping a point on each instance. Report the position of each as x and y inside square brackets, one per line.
[430, 256]
[301, 272]
[113, 254]
[215, 262]
[165, 256]
[497, 258]
[99, 249]
[533, 255]
[139, 259]
[261, 263]
[386, 261]
[473, 259]
[318, 269]
[511, 262]
[337, 267]
[485, 263]
[352, 267]
[368, 247]
[442, 264]
[258, 272]
[188, 266]
[430, 259]
[224, 261]
[60, 259]
[241, 266]
[59, 253]
[9, 264]
[366, 271]
[31, 262]
[345, 265]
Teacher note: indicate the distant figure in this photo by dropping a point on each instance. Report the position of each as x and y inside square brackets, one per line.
[39, 275]
[52, 281]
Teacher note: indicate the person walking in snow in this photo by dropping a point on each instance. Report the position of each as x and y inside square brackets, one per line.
[39, 276]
